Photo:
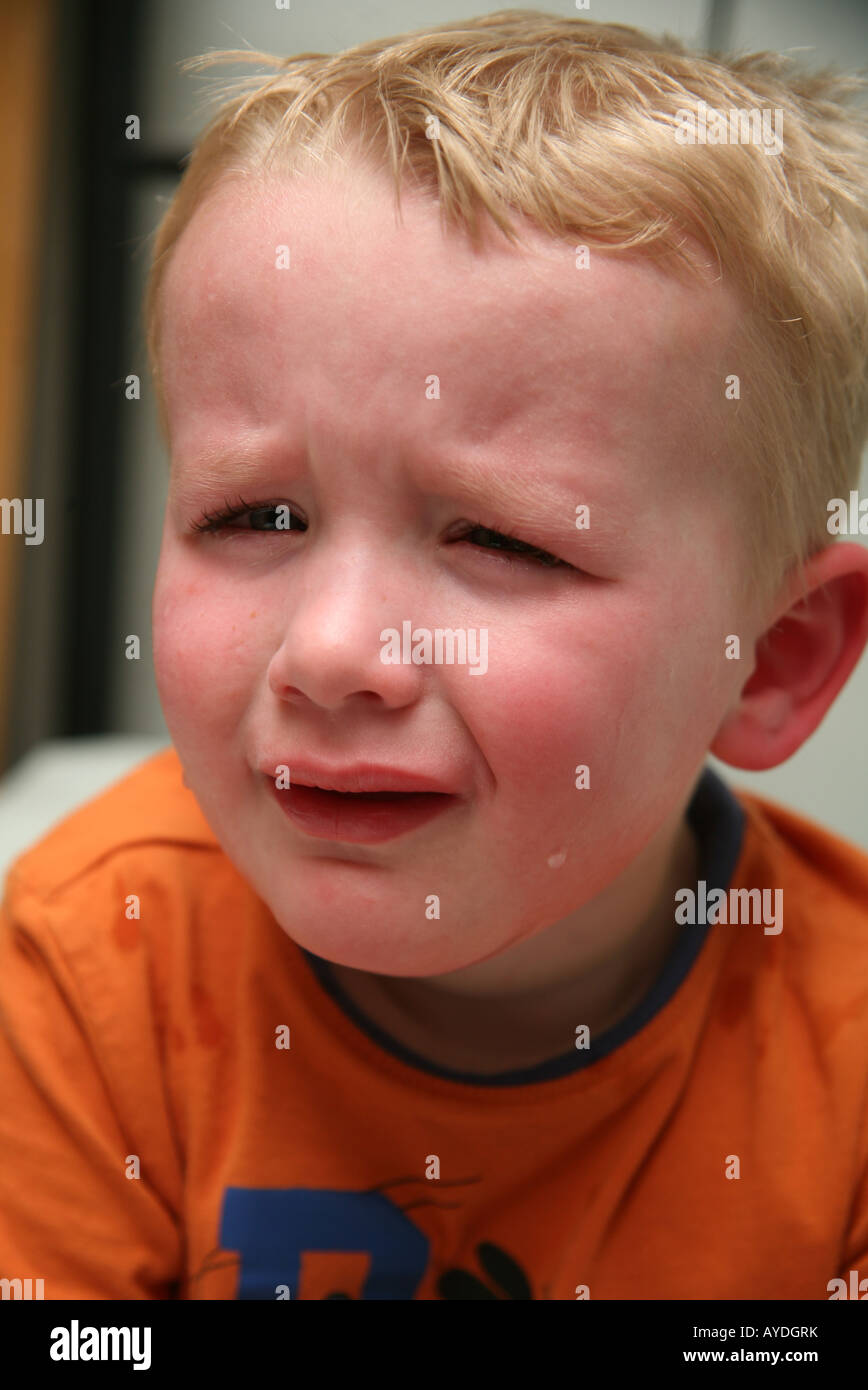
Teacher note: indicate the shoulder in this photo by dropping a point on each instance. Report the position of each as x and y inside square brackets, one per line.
[126, 907]
[822, 879]
[828, 867]
[147, 808]
[144, 837]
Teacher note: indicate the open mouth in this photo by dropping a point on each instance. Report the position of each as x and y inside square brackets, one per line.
[359, 817]
[362, 797]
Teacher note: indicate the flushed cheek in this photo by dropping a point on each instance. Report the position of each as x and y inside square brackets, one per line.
[535, 726]
[565, 701]
[589, 755]
[193, 631]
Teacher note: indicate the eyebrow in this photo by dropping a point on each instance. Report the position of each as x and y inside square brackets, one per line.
[537, 504]
[221, 458]
[232, 468]
[534, 503]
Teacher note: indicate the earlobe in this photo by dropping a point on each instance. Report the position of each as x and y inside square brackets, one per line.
[801, 662]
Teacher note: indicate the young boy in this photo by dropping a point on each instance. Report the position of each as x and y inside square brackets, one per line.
[430, 962]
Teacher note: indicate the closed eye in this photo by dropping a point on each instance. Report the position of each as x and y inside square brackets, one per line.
[504, 540]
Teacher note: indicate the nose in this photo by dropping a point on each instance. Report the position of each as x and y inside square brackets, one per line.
[330, 652]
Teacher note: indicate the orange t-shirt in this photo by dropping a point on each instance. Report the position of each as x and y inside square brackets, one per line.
[156, 1141]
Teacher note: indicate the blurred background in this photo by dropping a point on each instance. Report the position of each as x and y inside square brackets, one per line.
[82, 202]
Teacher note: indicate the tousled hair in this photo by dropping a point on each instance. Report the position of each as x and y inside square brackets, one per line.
[573, 125]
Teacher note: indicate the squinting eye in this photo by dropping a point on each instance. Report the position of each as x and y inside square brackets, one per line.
[503, 540]
[212, 522]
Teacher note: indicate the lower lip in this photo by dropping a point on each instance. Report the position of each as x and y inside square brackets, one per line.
[359, 820]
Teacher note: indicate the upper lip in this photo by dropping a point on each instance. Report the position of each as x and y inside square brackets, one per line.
[360, 777]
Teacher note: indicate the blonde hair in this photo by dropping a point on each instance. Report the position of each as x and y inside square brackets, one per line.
[572, 123]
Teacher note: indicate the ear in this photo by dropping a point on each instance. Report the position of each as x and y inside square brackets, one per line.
[801, 661]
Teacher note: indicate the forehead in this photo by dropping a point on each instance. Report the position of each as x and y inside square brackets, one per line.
[309, 291]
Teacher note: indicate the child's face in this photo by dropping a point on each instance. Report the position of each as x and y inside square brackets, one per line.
[601, 386]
